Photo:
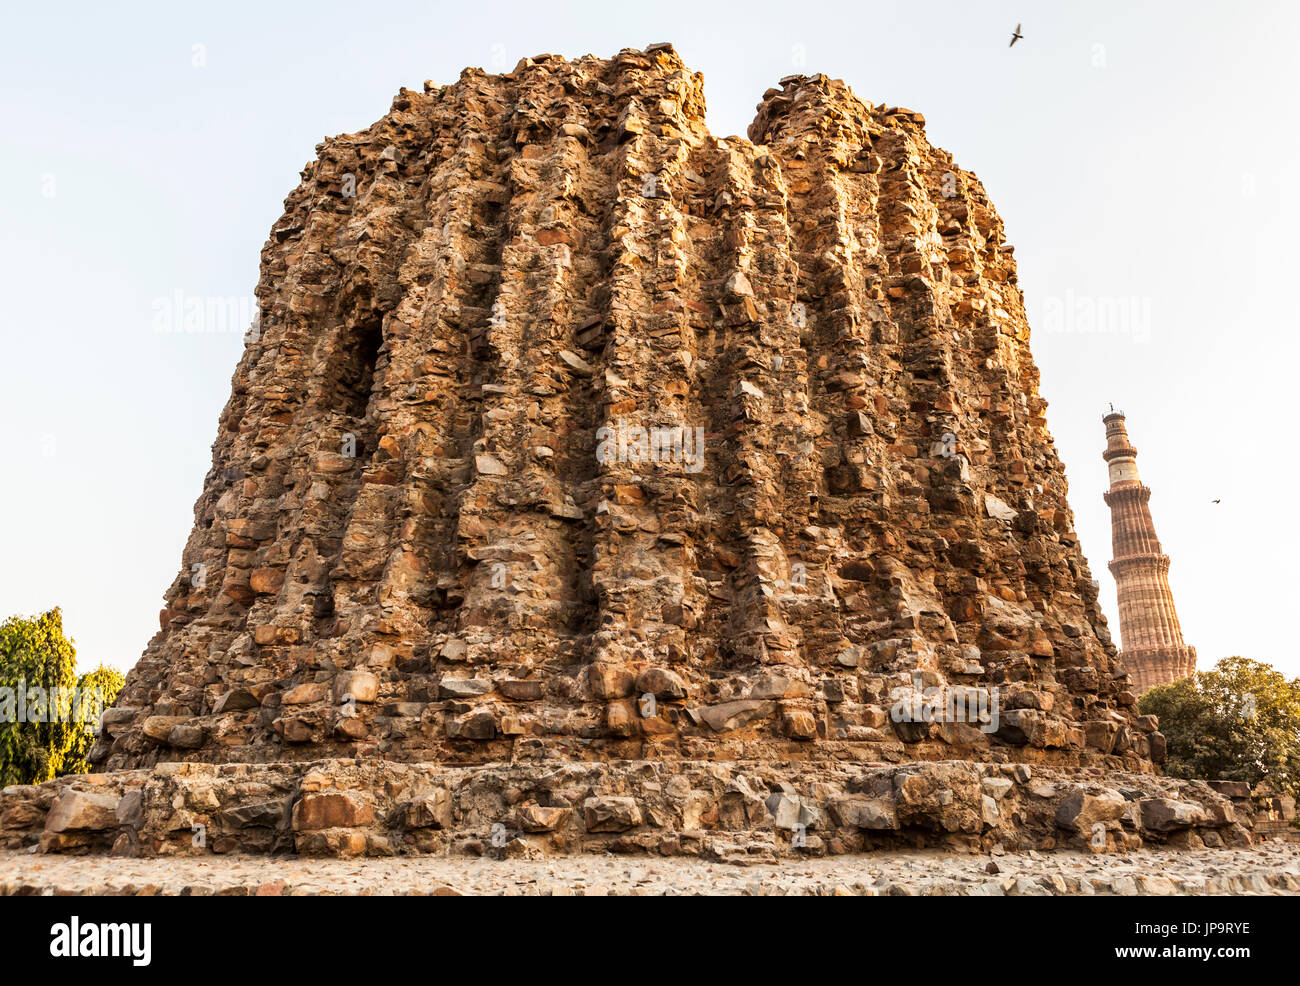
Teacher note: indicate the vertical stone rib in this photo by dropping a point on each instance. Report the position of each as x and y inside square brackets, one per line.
[829, 337]
[642, 543]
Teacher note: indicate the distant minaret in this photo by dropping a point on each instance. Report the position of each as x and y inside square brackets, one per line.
[1153, 650]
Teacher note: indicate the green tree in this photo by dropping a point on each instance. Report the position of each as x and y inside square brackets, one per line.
[1238, 722]
[47, 713]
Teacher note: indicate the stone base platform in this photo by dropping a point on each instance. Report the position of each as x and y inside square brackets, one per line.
[718, 811]
[721, 811]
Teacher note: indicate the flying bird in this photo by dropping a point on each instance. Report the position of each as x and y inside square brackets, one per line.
[1214, 501]
[1016, 37]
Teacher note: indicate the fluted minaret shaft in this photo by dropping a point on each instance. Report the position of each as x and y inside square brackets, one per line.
[1153, 649]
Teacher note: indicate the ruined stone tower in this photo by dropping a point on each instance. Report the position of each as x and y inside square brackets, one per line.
[1153, 649]
[572, 432]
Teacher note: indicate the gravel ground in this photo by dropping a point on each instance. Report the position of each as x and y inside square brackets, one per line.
[1270, 868]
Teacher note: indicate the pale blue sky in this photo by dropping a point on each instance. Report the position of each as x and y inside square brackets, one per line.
[1145, 157]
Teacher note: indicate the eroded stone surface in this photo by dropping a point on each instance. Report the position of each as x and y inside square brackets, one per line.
[417, 543]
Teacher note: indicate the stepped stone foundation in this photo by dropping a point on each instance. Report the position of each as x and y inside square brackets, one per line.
[624, 487]
[678, 807]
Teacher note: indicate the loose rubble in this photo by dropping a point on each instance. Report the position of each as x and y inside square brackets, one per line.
[1268, 869]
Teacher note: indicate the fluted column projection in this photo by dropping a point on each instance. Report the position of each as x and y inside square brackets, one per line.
[1153, 649]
